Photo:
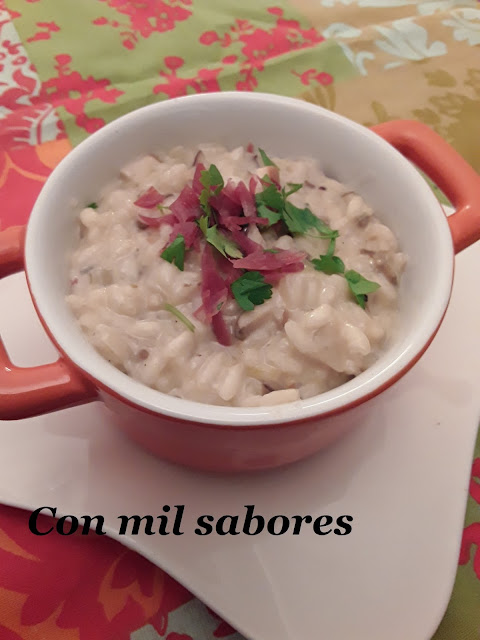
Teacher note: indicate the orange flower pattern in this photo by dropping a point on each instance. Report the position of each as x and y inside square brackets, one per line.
[94, 588]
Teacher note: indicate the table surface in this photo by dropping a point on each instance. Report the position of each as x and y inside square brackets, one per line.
[67, 69]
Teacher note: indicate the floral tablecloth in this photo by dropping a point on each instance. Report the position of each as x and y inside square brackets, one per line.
[67, 67]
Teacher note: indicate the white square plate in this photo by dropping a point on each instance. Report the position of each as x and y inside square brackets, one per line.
[403, 477]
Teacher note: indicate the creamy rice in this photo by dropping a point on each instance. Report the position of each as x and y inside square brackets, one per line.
[310, 336]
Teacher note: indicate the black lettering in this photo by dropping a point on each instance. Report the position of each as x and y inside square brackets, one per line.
[260, 521]
[317, 525]
[178, 520]
[232, 527]
[61, 525]
[162, 529]
[136, 525]
[298, 523]
[201, 523]
[32, 521]
[283, 528]
[341, 523]
[98, 527]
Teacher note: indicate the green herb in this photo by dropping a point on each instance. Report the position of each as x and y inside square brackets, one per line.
[271, 251]
[273, 205]
[329, 263]
[178, 314]
[92, 205]
[250, 290]
[210, 178]
[175, 252]
[360, 286]
[294, 188]
[302, 220]
[270, 204]
[331, 247]
[265, 159]
[203, 224]
[222, 243]
[218, 240]
[272, 216]
[271, 197]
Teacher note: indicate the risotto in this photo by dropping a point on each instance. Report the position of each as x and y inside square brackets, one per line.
[231, 278]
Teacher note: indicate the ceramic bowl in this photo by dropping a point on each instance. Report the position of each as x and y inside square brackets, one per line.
[379, 164]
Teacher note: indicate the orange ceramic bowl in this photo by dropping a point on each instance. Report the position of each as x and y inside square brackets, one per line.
[377, 163]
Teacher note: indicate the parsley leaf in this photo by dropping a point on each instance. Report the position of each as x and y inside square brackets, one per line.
[223, 244]
[218, 240]
[270, 203]
[175, 252]
[209, 178]
[272, 216]
[265, 159]
[92, 205]
[250, 290]
[271, 197]
[301, 220]
[293, 189]
[178, 314]
[329, 264]
[216, 179]
[360, 286]
[331, 248]
[203, 224]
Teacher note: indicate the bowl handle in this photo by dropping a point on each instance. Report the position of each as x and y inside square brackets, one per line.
[448, 170]
[31, 391]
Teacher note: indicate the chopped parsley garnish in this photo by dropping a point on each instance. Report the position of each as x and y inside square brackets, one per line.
[302, 220]
[273, 205]
[360, 286]
[217, 239]
[250, 290]
[329, 263]
[92, 205]
[271, 197]
[293, 189]
[210, 178]
[203, 224]
[272, 216]
[272, 202]
[179, 315]
[175, 252]
[265, 159]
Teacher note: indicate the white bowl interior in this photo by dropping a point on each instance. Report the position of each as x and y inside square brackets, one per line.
[286, 127]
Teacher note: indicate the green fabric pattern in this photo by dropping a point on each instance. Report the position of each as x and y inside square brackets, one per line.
[98, 53]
